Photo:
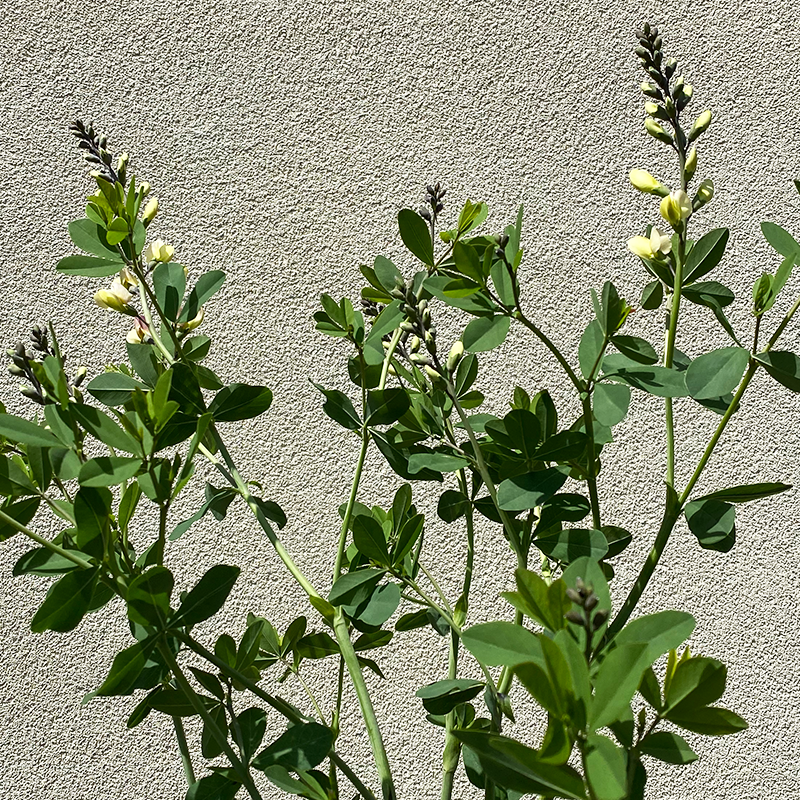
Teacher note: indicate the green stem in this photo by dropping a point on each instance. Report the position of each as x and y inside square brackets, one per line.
[591, 474]
[183, 747]
[351, 501]
[669, 351]
[342, 631]
[210, 723]
[82, 563]
[452, 747]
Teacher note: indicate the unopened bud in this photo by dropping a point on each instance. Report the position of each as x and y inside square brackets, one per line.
[455, 355]
[704, 194]
[15, 370]
[691, 164]
[575, 617]
[144, 188]
[80, 375]
[642, 180]
[414, 344]
[150, 210]
[656, 131]
[430, 342]
[30, 392]
[432, 373]
[574, 596]
[599, 619]
[591, 602]
[700, 125]
[650, 90]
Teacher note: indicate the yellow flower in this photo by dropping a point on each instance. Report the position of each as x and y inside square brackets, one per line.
[705, 193]
[640, 246]
[650, 246]
[115, 299]
[195, 322]
[676, 207]
[158, 250]
[139, 333]
[700, 125]
[660, 242]
[127, 278]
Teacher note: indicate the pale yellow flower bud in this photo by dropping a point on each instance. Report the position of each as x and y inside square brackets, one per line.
[455, 355]
[651, 108]
[642, 180]
[676, 207]
[150, 210]
[700, 125]
[691, 164]
[144, 188]
[432, 373]
[704, 194]
[127, 278]
[159, 250]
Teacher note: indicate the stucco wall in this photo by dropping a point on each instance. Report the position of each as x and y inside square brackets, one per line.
[281, 139]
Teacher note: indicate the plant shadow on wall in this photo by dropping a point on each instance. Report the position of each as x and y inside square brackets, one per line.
[593, 670]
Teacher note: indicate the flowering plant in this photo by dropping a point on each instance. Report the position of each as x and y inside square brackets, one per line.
[616, 690]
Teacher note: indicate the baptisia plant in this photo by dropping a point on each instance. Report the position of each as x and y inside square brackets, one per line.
[617, 689]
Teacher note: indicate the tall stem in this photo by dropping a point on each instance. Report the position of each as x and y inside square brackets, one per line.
[183, 747]
[210, 723]
[54, 548]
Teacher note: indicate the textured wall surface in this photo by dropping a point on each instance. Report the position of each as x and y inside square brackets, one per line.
[281, 139]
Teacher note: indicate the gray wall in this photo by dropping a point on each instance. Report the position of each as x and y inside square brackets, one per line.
[281, 140]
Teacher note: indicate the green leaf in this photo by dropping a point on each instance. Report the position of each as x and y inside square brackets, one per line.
[710, 294]
[544, 604]
[617, 680]
[208, 284]
[452, 505]
[710, 721]
[486, 333]
[610, 403]
[655, 380]
[518, 430]
[103, 428]
[24, 432]
[590, 349]
[652, 295]
[781, 240]
[716, 373]
[668, 747]
[169, 285]
[43, 561]
[438, 462]
[370, 539]
[208, 596]
[301, 747]
[67, 602]
[148, 597]
[635, 348]
[563, 446]
[339, 407]
[697, 681]
[114, 388]
[213, 787]
[530, 490]
[185, 390]
[713, 523]
[416, 235]
[145, 360]
[128, 665]
[781, 364]
[514, 766]
[407, 538]
[89, 266]
[13, 481]
[661, 632]
[572, 543]
[92, 511]
[706, 253]
[746, 493]
[355, 587]
[240, 401]
[386, 406]
[23, 511]
[253, 725]
[443, 696]
[502, 644]
[108, 470]
[91, 238]
[606, 768]
[386, 322]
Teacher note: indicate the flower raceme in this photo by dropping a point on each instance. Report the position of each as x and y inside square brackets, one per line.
[650, 246]
[115, 299]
